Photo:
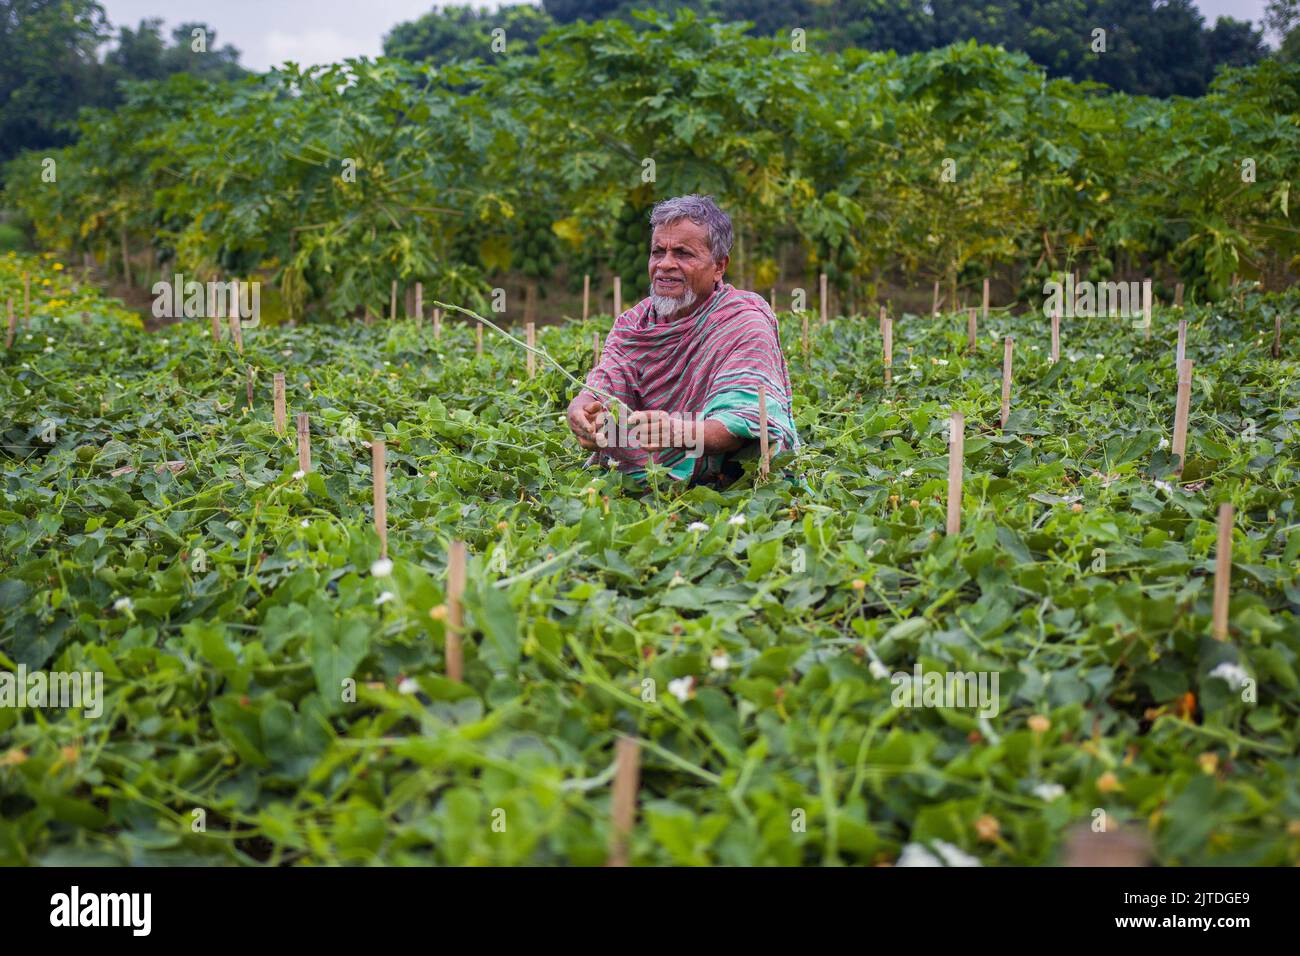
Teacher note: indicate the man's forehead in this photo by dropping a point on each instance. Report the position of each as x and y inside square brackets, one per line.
[681, 230]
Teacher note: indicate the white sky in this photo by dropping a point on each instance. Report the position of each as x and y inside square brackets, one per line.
[268, 32]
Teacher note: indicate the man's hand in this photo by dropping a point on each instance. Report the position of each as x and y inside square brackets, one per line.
[582, 420]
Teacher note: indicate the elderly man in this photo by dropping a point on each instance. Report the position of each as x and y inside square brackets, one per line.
[687, 361]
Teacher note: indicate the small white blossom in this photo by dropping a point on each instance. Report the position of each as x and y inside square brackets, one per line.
[49, 349]
[407, 686]
[907, 473]
[697, 526]
[306, 523]
[1234, 674]
[878, 670]
[1164, 443]
[736, 520]
[1100, 356]
[720, 661]
[1049, 791]
[1165, 486]
[48, 340]
[918, 854]
[940, 361]
[299, 475]
[122, 605]
[385, 597]
[681, 688]
[382, 568]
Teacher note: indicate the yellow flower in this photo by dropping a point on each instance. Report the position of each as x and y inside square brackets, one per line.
[1108, 783]
[58, 267]
[1039, 724]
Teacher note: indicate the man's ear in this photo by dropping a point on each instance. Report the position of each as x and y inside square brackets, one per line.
[722, 268]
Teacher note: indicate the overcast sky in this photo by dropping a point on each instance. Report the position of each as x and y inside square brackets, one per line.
[268, 32]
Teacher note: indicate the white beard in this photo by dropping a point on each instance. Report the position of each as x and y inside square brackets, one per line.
[665, 306]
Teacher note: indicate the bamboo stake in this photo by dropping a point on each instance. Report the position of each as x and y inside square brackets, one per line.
[281, 416]
[1182, 405]
[804, 319]
[824, 303]
[618, 296]
[1181, 352]
[1178, 296]
[392, 302]
[1007, 345]
[586, 295]
[437, 324]
[379, 477]
[248, 385]
[986, 299]
[934, 304]
[530, 331]
[772, 300]
[1277, 336]
[1146, 307]
[304, 443]
[1222, 573]
[889, 350]
[1056, 336]
[627, 773]
[956, 461]
[419, 303]
[13, 326]
[453, 650]
[971, 330]
[763, 452]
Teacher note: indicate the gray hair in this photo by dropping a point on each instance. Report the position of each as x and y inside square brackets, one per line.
[702, 211]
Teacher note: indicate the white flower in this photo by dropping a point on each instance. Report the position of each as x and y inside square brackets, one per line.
[1034, 347]
[299, 475]
[49, 349]
[681, 688]
[878, 670]
[1164, 443]
[697, 526]
[384, 598]
[907, 473]
[382, 568]
[1165, 486]
[407, 686]
[1049, 791]
[1234, 674]
[720, 661]
[306, 523]
[48, 340]
[918, 854]
[940, 361]
[123, 605]
[1100, 356]
[736, 520]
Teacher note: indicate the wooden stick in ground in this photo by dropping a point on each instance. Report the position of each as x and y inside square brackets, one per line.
[281, 415]
[763, 453]
[248, 384]
[824, 297]
[618, 296]
[1007, 345]
[804, 317]
[934, 304]
[453, 650]
[1181, 352]
[772, 299]
[437, 324]
[889, 350]
[1222, 572]
[956, 461]
[419, 303]
[1146, 307]
[1277, 336]
[530, 336]
[986, 299]
[304, 443]
[586, 296]
[1182, 406]
[627, 774]
[379, 477]
[13, 326]
[1178, 296]
[1056, 336]
[392, 302]
[971, 330]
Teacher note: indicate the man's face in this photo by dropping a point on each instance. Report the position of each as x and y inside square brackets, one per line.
[680, 261]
